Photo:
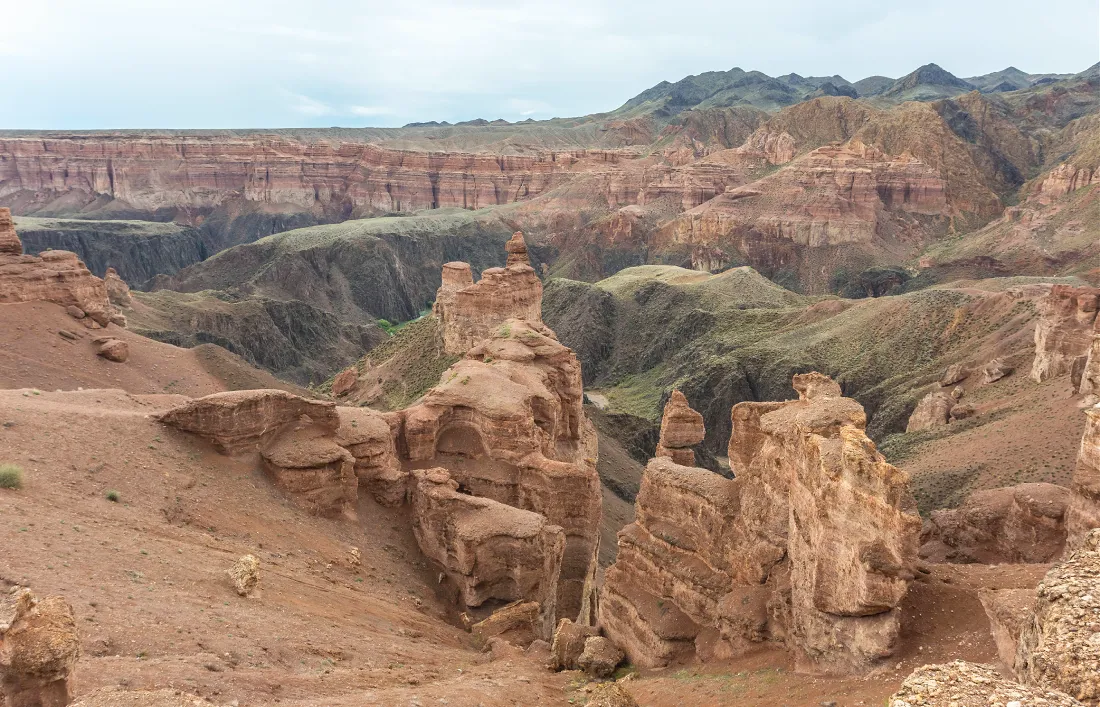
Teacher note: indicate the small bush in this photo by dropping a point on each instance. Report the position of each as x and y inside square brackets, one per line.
[113, 496]
[11, 477]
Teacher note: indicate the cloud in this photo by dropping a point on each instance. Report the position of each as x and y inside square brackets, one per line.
[309, 106]
[368, 111]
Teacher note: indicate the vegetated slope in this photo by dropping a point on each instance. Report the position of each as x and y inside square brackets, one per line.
[304, 303]
[736, 336]
[137, 250]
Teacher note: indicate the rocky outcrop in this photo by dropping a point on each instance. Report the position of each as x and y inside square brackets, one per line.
[681, 429]
[1009, 611]
[118, 292]
[516, 248]
[1065, 179]
[1064, 333]
[9, 240]
[933, 410]
[507, 422]
[39, 647]
[809, 545]
[487, 549]
[962, 684]
[519, 623]
[1089, 385]
[238, 421]
[305, 461]
[56, 276]
[367, 435]
[1060, 648]
[569, 640]
[469, 312]
[1023, 523]
[1083, 513]
[994, 371]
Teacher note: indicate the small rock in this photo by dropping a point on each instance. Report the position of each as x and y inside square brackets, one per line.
[245, 574]
[75, 312]
[113, 350]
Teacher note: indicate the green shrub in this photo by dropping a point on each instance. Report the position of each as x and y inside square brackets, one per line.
[11, 476]
[113, 496]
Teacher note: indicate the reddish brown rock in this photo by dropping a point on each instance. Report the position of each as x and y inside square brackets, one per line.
[1064, 179]
[955, 373]
[1009, 612]
[55, 276]
[469, 313]
[508, 424]
[237, 421]
[488, 550]
[118, 292]
[681, 429]
[305, 462]
[810, 545]
[1059, 648]
[519, 623]
[9, 241]
[933, 410]
[569, 640]
[1024, 523]
[1089, 385]
[994, 371]
[345, 381]
[39, 647]
[367, 435]
[112, 349]
[1065, 330]
[516, 248]
[1083, 513]
[600, 657]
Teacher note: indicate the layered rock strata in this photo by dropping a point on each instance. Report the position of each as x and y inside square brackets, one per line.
[1083, 513]
[1060, 648]
[367, 435]
[1013, 524]
[489, 550]
[469, 312]
[306, 462]
[809, 545]
[1065, 331]
[681, 429]
[9, 240]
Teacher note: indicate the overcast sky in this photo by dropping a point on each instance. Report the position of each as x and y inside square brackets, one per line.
[276, 63]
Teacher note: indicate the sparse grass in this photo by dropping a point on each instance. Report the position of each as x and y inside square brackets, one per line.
[11, 476]
[113, 496]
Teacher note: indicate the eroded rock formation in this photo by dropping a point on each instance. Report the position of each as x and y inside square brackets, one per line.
[681, 429]
[118, 292]
[810, 545]
[962, 684]
[1083, 513]
[39, 647]
[368, 436]
[933, 410]
[1023, 523]
[1065, 330]
[305, 461]
[1059, 649]
[489, 550]
[1009, 611]
[469, 312]
[9, 240]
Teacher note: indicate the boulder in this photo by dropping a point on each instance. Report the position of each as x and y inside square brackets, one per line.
[39, 647]
[118, 292]
[681, 429]
[1009, 611]
[245, 575]
[933, 410]
[1024, 523]
[112, 349]
[610, 694]
[486, 549]
[599, 658]
[237, 421]
[955, 373]
[1065, 329]
[962, 411]
[517, 623]
[962, 684]
[958, 392]
[994, 371]
[345, 381]
[569, 642]
[1060, 648]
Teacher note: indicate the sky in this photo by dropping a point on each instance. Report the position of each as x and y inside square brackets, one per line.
[101, 64]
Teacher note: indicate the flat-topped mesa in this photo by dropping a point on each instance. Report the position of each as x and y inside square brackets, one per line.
[507, 422]
[54, 276]
[9, 240]
[1065, 331]
[810, 545]
[468, 312]
[516, 248]
[681, 429]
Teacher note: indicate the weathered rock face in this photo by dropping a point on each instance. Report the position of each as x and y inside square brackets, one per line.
[55, 276]
[489, 550]
[994, 371]
[1083, 513]
[1064, 179]
[306, 462]
[39, 647]
[809, 545]
[934, 410]
[681, 429]
[1009, 612]
[1023, 523]
[238, 421]
[1090, 373]
[9, 241]
[469, 312]
[962, 684]
[1060, 650]
[118, 292]
[508, 423]
[367, 435]
[1065, 330]
[517, 251]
